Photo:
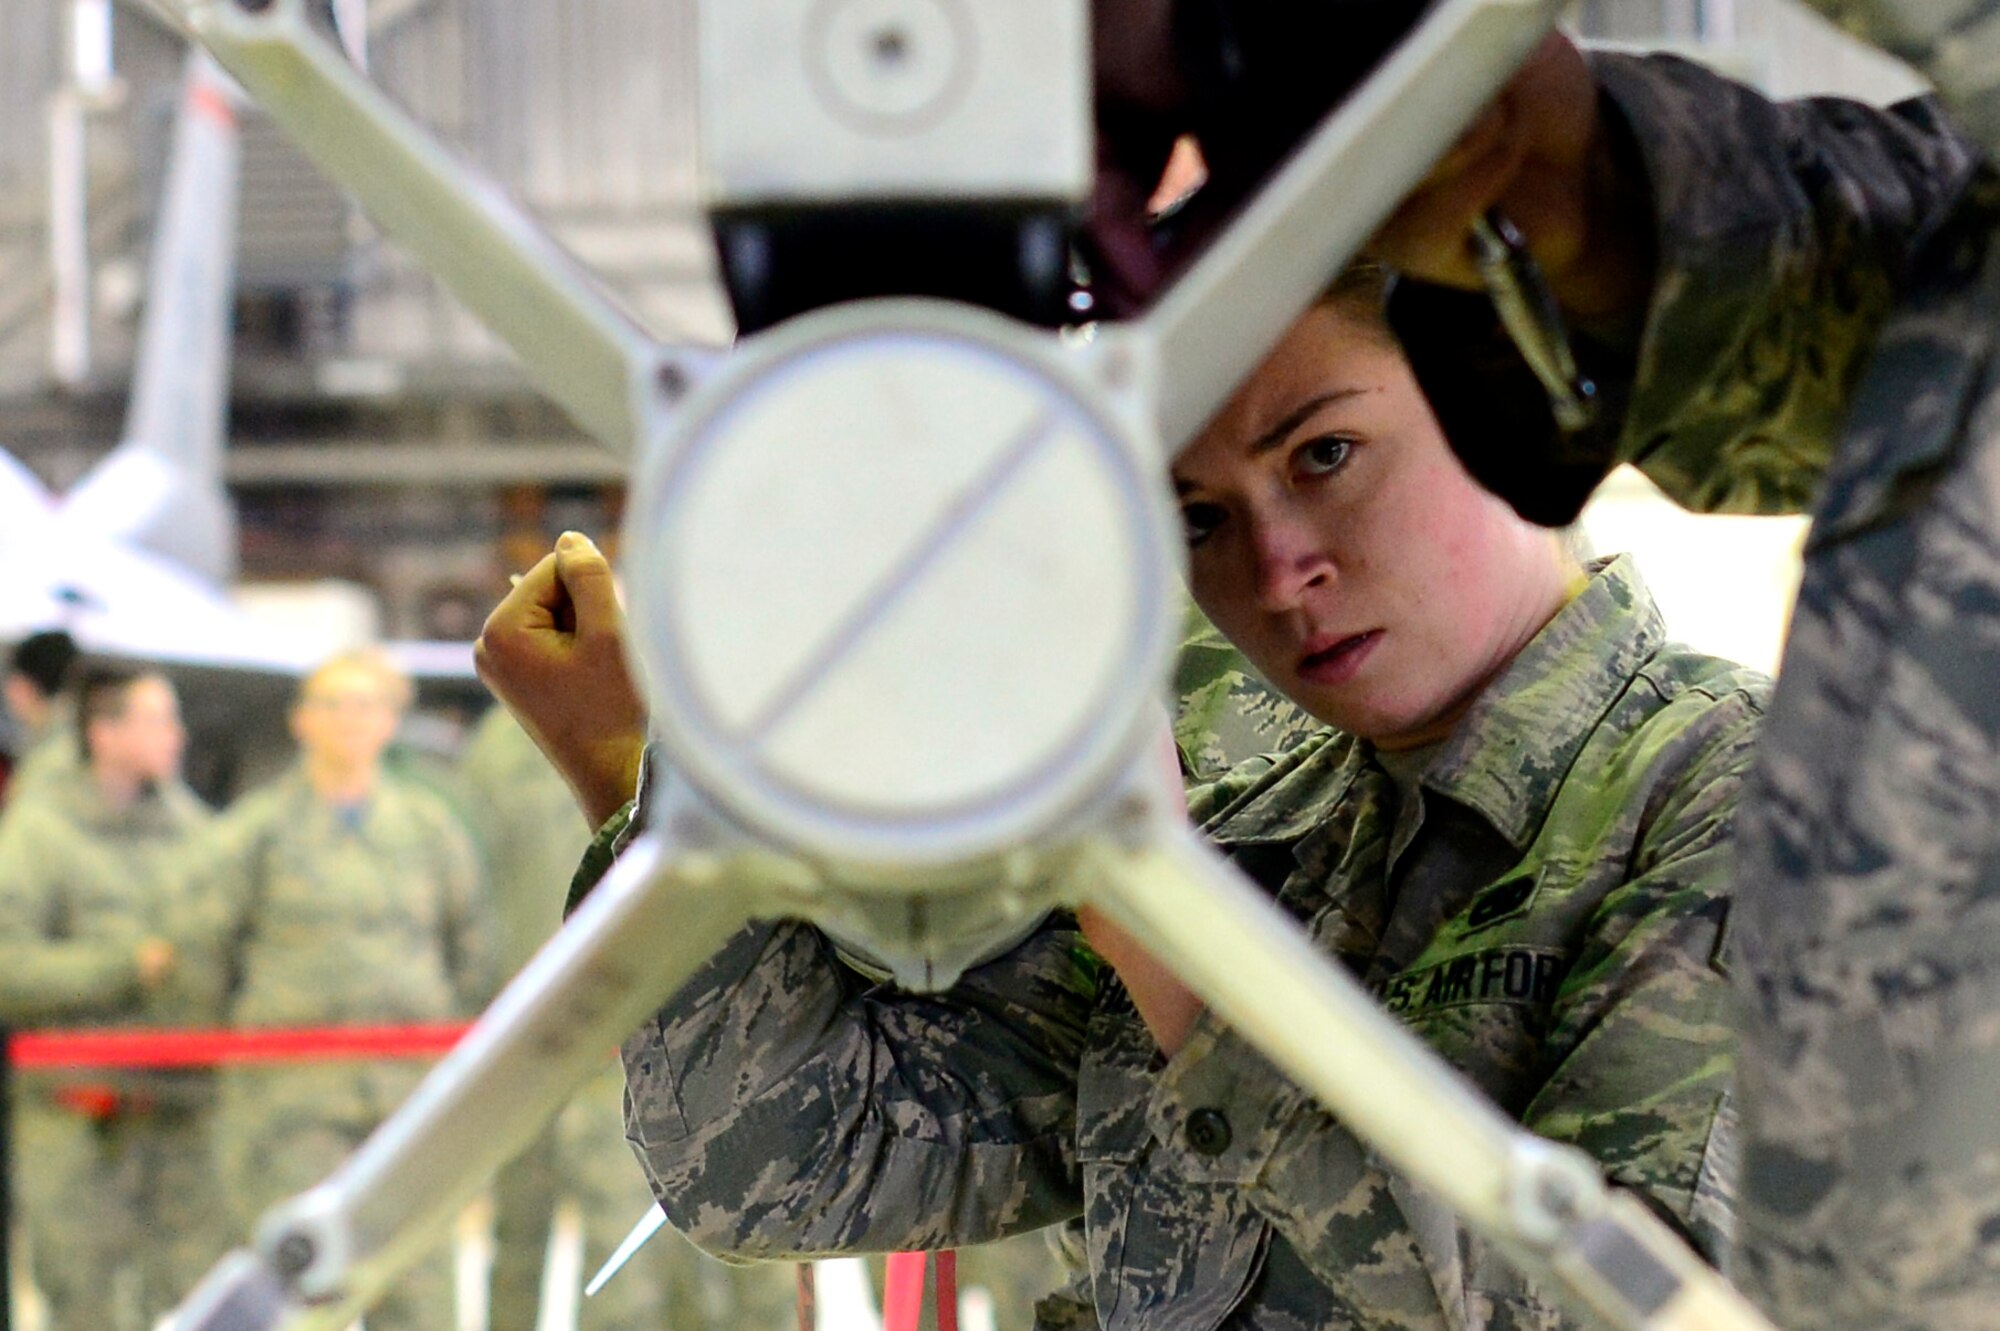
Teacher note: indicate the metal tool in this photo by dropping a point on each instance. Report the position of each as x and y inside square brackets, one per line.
[1533, 319]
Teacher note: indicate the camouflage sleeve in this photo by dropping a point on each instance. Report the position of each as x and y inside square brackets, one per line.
[1932, 39]
[1646, 1011]
[786, 1106]
[1224, 711]
[1783, 234]
[57, 962]
[1210, 801]
[598, 855]
[1206, 801]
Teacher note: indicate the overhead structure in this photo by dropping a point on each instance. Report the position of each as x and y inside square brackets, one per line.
[135, 559]
[905, 507]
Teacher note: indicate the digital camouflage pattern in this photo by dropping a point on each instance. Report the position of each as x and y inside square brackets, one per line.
[531, 834]
[1822, 324]
[1224, 711]
[114, 1176]
[318, 915]
[1224, 714]
[1548, 913]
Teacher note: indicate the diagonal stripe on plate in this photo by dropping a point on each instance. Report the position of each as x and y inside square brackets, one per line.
[846, 635]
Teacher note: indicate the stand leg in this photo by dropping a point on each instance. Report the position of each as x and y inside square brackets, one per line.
[1545, 1204]
[322, 1256]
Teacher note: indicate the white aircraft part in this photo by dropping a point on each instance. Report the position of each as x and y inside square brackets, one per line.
[122, 602]
[162, 488]
[58, 570]
[895, 99]
[908, 500]
[139, 495]
[69, 241]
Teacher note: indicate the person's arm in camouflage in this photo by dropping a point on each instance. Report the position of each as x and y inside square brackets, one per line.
[785, 1105]
[1649, 992]
[1644, 1011]
[471, 948]
[1780, 236]
[57, 964]
[782, 1103]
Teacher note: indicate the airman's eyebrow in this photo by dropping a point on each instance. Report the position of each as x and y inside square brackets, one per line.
[1278, 433]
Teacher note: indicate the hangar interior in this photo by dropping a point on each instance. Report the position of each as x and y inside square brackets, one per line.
[378, 437]
[388, 463]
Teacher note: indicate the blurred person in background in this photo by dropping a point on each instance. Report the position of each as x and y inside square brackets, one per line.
[116, 1185]
[341, 895]
[43, 738]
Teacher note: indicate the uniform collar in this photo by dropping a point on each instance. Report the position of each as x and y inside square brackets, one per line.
[1510, 753]
[353, 818]
[1304, 788]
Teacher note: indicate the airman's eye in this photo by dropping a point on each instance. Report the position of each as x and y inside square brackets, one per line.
[1323, 457]
[1198, 521]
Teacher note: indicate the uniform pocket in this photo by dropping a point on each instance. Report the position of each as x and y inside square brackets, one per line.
[1111, 1149]
[1164, 1251]
[1115, 1081]
[1114, 1084]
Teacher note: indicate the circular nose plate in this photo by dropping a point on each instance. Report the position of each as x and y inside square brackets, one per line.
[891, 65]
[911, 594]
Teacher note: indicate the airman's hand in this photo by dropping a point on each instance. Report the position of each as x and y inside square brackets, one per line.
[1167, 1006]
[1542, 155]
[554, 652]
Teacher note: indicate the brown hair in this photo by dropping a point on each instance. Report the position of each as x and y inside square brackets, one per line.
[101, 694]
[1361, 291]
[394, 683]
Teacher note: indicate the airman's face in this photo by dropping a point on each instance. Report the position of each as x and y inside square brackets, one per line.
[346, 716]
[146, 739]
[1334, 537]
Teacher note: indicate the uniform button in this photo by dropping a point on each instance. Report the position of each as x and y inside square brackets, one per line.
[1208, 1131]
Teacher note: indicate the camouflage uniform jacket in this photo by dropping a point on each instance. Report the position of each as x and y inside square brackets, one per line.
[324, 915]
[50, 759]
[530, 833]
[1224, 711]
[82, 885]
[1822, 330]
[1547, 914]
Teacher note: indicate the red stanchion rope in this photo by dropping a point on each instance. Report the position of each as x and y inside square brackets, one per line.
[208, 1048]
[326, 1044]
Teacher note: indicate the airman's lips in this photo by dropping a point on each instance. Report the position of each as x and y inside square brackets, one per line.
[1331, 660]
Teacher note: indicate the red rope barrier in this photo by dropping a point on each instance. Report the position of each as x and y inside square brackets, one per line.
[195, 1049]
